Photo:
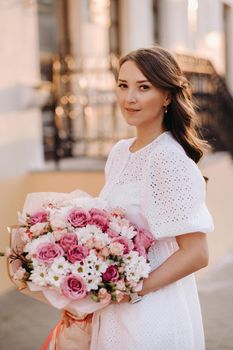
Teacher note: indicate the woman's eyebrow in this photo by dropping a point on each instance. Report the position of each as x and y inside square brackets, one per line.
[139, 81]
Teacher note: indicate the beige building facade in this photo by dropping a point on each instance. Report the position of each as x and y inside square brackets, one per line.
[96, 29]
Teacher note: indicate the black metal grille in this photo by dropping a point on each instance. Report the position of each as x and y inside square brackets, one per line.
[82, 118]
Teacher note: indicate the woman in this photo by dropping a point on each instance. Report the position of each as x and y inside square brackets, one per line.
[154, 176]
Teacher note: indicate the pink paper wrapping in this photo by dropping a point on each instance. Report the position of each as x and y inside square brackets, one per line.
[73, 331]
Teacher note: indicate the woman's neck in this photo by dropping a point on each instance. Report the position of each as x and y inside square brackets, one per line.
[143, 138]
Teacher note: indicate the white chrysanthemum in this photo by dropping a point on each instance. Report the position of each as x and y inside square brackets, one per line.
[31, 247]
[90, 270]
[91, 277]
[131, 258]
[98, 265]
[61, 266]
[96, 268]
[123, 228]
[54, 279]
[92, 231]
[36, 263]
[92, 282]
[87, 203]
[39, 276]
[77, 268]
[136, 267]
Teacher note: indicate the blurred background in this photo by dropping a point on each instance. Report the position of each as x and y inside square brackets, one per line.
[59, 119]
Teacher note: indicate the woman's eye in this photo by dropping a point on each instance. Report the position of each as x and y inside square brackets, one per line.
[122, 86]
[144, 87]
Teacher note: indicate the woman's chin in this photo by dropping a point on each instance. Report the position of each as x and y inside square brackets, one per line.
[132, 122]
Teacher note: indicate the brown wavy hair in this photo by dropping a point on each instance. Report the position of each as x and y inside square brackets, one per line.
[162, 69]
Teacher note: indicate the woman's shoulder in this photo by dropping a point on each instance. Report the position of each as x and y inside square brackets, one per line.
[168, 144]
[121, 145]
[116, 155]
[168, 155]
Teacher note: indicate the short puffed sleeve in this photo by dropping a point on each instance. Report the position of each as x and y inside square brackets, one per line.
[173, 195]
[110, 159]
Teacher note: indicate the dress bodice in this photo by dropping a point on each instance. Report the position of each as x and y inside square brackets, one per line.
[159, 186]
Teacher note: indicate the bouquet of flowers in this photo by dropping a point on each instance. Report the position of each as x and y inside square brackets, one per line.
[78, 250]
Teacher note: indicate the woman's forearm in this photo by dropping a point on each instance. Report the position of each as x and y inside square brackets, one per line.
[178, 265]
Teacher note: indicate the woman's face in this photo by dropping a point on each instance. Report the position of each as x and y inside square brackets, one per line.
[141, 103]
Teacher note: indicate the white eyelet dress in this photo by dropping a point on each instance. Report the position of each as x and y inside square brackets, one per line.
[163, 190]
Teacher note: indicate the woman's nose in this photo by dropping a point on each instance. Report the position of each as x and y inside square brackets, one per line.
[131, 96]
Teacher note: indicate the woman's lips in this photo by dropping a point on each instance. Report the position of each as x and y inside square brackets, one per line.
[132, 110]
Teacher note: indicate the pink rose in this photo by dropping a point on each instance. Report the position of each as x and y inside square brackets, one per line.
[38, 217]
[111, 274]
[73, 287]
[99, 218]
[78, 217]
[48, 252]
[77, 253]
[143, 239]
[111, 233]
[67, 241]
[126, 242]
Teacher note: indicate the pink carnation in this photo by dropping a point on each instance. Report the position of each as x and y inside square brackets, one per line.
[48, 252]
[105, 252]
[104, 296]
[119, 295]
[38, 217]
[78, 218]
[99, 218]
[67, 241]
[99, 244]
[116, 248]
[126, 242]
[73, 287]
[77, 253]
[118, 212]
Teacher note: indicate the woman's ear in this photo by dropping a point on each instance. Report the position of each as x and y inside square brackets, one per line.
[168, 98]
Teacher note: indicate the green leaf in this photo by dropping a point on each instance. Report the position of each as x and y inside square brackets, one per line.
[95, 298]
